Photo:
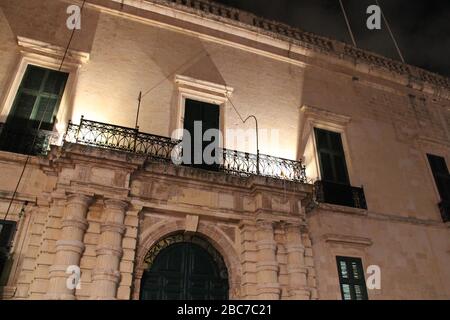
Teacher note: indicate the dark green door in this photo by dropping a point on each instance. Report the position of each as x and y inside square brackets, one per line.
[184, 271]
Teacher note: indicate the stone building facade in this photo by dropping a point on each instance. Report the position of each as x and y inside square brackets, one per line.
[100, 194]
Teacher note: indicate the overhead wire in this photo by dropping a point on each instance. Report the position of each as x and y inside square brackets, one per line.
[391, 33]
[352, 36]
[41, 119]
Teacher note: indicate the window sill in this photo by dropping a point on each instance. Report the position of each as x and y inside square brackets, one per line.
[342, 209]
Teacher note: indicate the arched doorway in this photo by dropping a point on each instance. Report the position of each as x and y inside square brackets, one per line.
[184, 267]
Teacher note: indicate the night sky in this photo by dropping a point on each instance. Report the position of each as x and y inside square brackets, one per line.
[421, 27]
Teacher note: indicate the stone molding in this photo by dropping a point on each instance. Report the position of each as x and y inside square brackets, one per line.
[109, 250]
[81, 199]
[349, 240]
[76, 223]
[70, 245]
[116, 204]
[113, 227]
[281, 36]
[210, 231]
[45, 48]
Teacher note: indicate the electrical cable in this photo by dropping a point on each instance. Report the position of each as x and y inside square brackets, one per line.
[348, 23]
[41, 121]
[391, 33]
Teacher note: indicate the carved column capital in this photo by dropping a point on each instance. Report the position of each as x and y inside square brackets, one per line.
[293, 228]
[115, 204]
[81, 199]
[264, 225]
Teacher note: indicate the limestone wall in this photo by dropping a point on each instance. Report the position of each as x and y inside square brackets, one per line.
[389, 124]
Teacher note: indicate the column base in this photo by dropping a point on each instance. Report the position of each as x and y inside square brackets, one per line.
[60, 296]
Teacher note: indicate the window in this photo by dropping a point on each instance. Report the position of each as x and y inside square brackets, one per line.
[334, 187]
[441, 175]
[351, 278]
[442, 180]
[208, 115]
[38, 98]
[7, 230]
[331, 157]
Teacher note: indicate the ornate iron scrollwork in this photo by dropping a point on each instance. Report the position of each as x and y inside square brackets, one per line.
[162, 149]
[179, 238]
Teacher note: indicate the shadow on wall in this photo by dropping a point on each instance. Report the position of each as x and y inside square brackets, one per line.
[45, 20]
[188, 57]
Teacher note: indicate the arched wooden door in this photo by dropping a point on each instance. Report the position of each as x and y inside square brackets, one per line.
[184, 271]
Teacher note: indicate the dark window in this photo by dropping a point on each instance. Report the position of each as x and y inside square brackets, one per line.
[351, 278]
[333, 167]
[441, 175]
[208, 114]
[38, 98]
[442, 180]
[334, 187]
[7, 229]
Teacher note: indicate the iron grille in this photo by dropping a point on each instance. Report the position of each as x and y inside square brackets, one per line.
[340, 194]
[444, 207]
[26, 140]
[160, 148]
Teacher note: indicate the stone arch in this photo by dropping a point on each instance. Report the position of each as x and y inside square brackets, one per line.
[218, 239]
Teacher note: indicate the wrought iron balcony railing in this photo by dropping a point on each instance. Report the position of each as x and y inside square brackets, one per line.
[340, 194]
[158, 148]
[26, 140]
[444, 207]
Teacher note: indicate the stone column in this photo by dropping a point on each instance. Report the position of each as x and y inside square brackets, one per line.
[267, 265]
[296, 268]
[248, 259]
[106, 275]
[70, 246]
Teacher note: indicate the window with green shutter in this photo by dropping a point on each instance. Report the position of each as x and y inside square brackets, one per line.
[333, 166]
[38, 98]
[351, 278]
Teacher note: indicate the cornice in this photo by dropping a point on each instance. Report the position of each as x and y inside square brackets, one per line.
[246, 25]
[348, 240]
[29, 45]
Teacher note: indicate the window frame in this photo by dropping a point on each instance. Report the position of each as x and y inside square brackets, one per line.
[437, 175]
[332, 153]
[39, 94]
[203, 105]
[204, 91]
[313, 117]
[45, 55]
[350, 280]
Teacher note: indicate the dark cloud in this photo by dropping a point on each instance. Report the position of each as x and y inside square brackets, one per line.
[422, 27]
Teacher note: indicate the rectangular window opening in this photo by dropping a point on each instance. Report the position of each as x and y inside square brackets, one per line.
[351, 278]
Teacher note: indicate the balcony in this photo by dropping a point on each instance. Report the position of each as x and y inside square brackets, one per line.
[444, 207]
[26, 140]
[164, 149]
[340, 194]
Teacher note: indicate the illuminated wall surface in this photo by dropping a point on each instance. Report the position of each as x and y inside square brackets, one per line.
[103, 211]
